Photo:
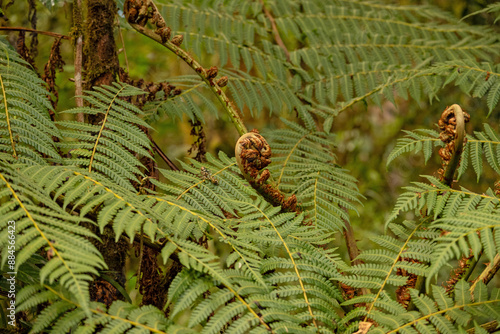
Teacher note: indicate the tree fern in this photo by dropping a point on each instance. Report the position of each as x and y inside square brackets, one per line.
[246, 265]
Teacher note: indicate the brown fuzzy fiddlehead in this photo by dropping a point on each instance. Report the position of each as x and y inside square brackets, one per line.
[452, 126]
[253, 155]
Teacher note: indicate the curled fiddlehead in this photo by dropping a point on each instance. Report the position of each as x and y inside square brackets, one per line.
[452, 126]
[253, 155]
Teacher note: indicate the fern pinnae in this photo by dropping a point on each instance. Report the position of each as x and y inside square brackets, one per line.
[69, 270]
[437, 317]
[463, 228]
[226, 239]
[11, 136]
[204, 180]
[121, 313]
[215, 273]
[102, 127]
[390, 270]
[258, 209]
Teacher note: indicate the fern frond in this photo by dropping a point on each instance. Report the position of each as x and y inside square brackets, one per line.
[478, 79]
[303, 164]
[64, 314]
[466, 233]
[204, 194]
[396, 254]
[94, 193]
[438, 199]
[441, 313]
[109, 147]
[419, 140]
[26, 129]
[376, 49]
[493, 8]
[190, 102]
[41, 223]
[485, 143]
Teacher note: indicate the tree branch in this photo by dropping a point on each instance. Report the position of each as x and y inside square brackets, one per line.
[163, 156]
[48, 33]
[77, 28]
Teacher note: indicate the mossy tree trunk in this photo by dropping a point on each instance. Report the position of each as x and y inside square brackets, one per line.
[101, 66]
[101, 58]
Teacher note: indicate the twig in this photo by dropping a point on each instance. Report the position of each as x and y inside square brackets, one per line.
[123, 44]
[488, 273]
[48, 33]
[276, 33]
[77, 18]
[352, 247]
[188, 59]
[163, 156]
[490, 327]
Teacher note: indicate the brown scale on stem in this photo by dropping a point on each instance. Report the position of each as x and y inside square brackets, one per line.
[253, 155]
[222, 82]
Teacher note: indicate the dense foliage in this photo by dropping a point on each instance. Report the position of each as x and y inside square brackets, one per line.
[219, 247]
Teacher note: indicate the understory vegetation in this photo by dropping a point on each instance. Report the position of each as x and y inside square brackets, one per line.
[108, 227]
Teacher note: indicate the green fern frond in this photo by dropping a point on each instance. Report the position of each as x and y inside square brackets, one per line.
[205, 194]
[345, 64]
[482, 144]
[467, 233]
[26, 129]
[303, 164]
[41, 223]
[442, 313]
[64, 314]
[395, 254]
[93, 193]
[109, 147]
[474, 78]
[248, 305]
[419, 140]
[191, 102]
[485, 144]
[436, 312]
[438, 199]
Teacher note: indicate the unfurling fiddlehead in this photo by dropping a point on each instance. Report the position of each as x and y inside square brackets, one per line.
[143, 16]
[253, 155]
[452, 126]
